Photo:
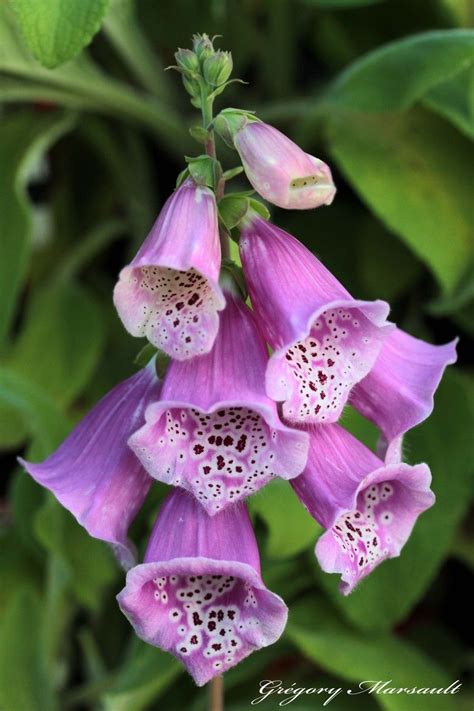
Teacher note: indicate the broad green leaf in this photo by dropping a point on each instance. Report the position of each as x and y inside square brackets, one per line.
[87, 564]
[25, 684]
[81, 84]
[24, 137]
[146, 675]
[46, 423]
[415, 172]
[57, 30]
[64, 322]
[398, 74]
[388, 595]
[454, 99]
[290, 527]
[316, 631]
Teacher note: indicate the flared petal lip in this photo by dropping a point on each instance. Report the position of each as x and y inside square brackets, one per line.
[173, 262]
[145, 572]
[420, 476]
[156, 409]
[376, 311]
[124, 549]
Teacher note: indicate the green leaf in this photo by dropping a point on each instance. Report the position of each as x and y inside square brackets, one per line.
[454, 99]
[46, 423]
[81, 84]
[415, 172]
[24, 681]
[398, 74]
[87, 564]
[316, 630]
[290, 527]
[232, 209]
[57, 31]
[146, 675]
[24, 137]
[346, 4]
[443, 441]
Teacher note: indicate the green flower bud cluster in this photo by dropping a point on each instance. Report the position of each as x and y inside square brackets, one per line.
[205, 71]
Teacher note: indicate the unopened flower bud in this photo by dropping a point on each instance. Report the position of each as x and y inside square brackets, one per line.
[187, 60]
[217, 68]
[203, 47]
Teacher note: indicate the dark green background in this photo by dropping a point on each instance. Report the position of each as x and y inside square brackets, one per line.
[89, 151]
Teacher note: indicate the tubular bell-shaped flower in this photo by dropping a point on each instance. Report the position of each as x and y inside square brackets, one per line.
[199, 594]
[214, 431]
[170, 291]
[279, 170]
[324, 341]
[398, 392]
[94, 474]
[368, 507]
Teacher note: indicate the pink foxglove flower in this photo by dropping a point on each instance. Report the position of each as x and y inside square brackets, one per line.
[368, 507]
[280, 171]
[94, 474]
[323, 340]
[170, 291]
[398, 392]
[214, 431]
[199, 594]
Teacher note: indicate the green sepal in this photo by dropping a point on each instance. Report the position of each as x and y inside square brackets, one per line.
[145, 355]
[230, 268]
[161, 364]
[232, 208]
[204, 170]
[259, 208]
[229, 121]
[182, 177]
[232, 172]
[199, 133]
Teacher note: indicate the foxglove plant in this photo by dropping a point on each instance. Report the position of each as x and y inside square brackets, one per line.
[227, 417]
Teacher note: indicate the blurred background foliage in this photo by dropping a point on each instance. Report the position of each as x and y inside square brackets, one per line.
[91, 141]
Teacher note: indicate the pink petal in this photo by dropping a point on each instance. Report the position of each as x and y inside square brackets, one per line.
[215, 432]
[323, 340]
[94, 474]
[368, 508]
[199, 594]
[170, 291]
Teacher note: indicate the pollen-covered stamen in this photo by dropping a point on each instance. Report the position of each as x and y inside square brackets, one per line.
[214, 617]
[220, 457]
[364, 535]
[319, 371]
[177, 310]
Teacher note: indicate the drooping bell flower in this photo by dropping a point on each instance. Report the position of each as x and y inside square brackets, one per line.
[368, 507]
[324, 341]
[214, 431]
[278, 169]
[398, 392]
[199, 593]
[170, 291]
[94, 474]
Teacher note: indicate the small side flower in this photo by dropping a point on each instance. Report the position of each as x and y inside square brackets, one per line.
[324, 341]
[369, 508]
[199, 594]
[170, 291]
[214, 431]
[94, 474]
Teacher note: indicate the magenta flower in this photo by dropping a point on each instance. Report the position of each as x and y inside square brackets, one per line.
[170, 292]
[199, 594]
[94, 474]
[368, 507]
[214, 431]
[323, 340]
[398, 392]
[280, 171]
